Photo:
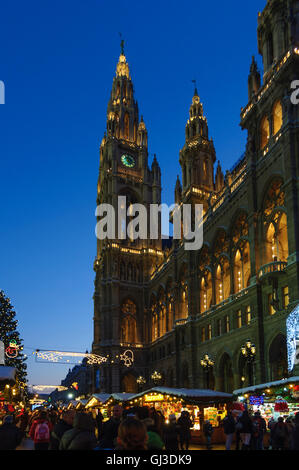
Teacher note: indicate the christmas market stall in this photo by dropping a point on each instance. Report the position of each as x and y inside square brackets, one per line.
[7, 382]
[81, 403]
[272, 399]
[104, 403]
[201, 404]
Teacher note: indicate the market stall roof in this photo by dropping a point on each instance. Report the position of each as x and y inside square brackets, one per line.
[97, 398]
[7, 374]
[277, 383]
[195, 393]
[122, 396]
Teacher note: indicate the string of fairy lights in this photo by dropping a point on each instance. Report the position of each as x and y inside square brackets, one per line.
[71, 357]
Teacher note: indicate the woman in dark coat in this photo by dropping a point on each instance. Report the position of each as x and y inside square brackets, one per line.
[82, 436]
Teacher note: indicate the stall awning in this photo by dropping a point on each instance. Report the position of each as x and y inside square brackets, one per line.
[7, 374]
[97, 399]
[187, 393]
[277, 383]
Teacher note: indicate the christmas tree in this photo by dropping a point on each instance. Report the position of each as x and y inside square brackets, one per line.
[11, 337]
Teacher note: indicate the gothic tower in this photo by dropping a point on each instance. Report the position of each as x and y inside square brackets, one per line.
[197, 157]
[123, 265]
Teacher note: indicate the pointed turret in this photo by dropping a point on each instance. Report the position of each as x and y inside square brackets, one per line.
[142, 134]
[122, 112]
[219, 178]
[178, 191]
[254, 79]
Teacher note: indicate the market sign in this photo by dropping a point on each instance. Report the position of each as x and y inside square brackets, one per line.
[254, 400]
[151, 398]
[292, 324]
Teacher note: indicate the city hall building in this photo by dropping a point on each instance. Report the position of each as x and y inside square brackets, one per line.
[216, 317]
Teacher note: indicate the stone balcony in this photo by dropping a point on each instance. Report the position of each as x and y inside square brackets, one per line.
[271, 270]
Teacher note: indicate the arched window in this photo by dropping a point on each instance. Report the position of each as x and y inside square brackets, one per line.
[277, 117]
[277, 239]
[241, 266]
[222, 280]
[265, 132]
[128, 322]
[205, 291]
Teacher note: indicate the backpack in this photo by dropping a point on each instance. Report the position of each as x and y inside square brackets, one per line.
[42, 432]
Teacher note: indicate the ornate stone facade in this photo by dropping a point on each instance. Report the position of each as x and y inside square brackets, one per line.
[170, 306]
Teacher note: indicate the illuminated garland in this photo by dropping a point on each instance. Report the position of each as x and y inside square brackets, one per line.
[127, 357]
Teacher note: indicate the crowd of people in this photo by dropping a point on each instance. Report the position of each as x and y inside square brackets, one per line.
[140, 428]
[135, 429]
[249, 432]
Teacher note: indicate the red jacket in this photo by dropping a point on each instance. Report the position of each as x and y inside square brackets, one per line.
[33, 427]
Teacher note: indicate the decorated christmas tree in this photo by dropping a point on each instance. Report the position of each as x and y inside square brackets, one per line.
[12, 342]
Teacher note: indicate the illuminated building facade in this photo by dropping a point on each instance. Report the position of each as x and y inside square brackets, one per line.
[174, 307]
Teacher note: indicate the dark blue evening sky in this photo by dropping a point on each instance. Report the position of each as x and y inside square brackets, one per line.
[57, 60]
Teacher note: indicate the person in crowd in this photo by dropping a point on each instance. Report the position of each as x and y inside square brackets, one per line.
[81, 436]
[10, 435]
[185, 424]
[271, 424]
[295, 433]
[40, 431]
[259, 428]
[229, 427]
[208, 432]
[245, 424]
[170, 434]
[99, 424]
[155, 441]
[132, 435]
[22, 421]
[64, 424]
[238, 427]
[280, 434]
[290, 427]
[110, 429]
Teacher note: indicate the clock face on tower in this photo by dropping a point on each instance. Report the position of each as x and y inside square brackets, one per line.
[128, 161]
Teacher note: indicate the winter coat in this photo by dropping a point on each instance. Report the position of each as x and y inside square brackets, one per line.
[185, 423]
[170, 436]
[229, 425]
[59, 429]
[246, 422]
[109, 433]
[295, 438]
[82, 436]
[10, 436]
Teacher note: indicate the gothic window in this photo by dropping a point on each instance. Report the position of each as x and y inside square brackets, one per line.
[248, 315]
[241, 266]
[278, 358]
[239, 319]
[128, 322]
[221, 244]
[205, 291]
[285, 297]
[277, 117]
[240, 228]
[126, 126]
[265, 132]
[275, 221]
[222, 280]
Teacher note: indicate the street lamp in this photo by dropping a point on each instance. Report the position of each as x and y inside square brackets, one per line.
[249, 351]
[207, 363]
[156, 377]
